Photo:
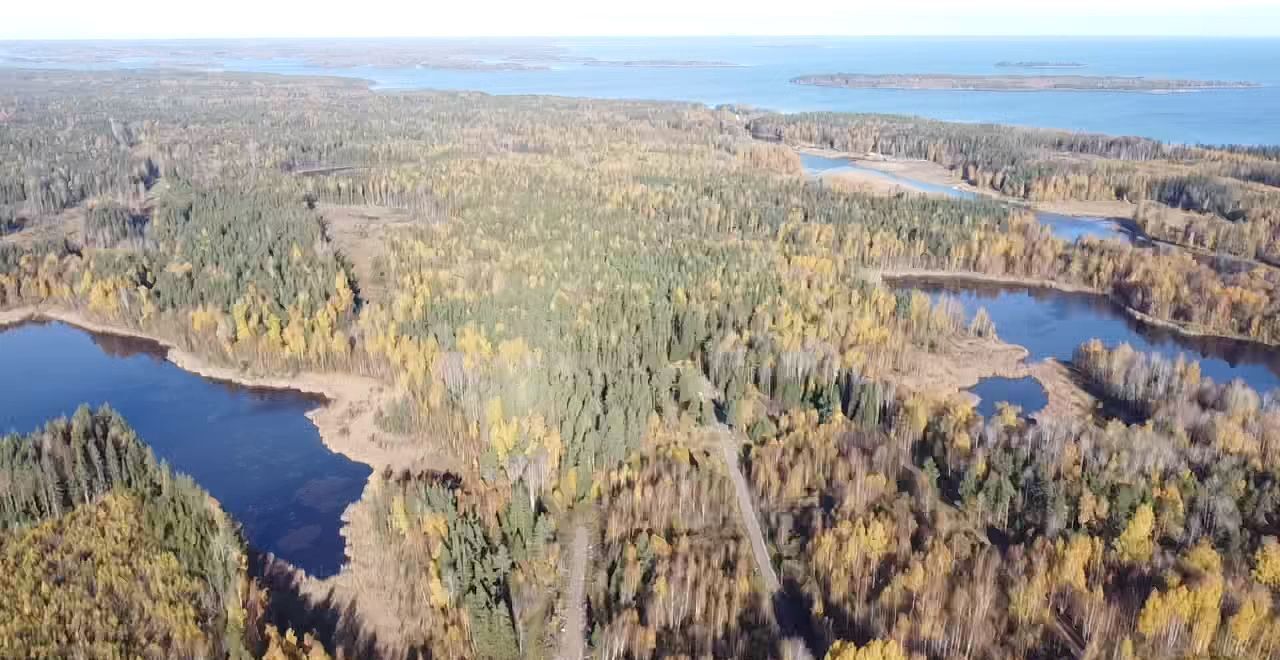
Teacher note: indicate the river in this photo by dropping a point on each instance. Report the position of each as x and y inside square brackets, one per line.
[1067, 227]
[1051, 324]
[252, 449]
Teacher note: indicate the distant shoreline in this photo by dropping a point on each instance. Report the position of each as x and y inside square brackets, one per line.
[1039, 64]
[1012, 83]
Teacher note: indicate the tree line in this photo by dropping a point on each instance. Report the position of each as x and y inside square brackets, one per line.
[141, 563]
[1233, 190]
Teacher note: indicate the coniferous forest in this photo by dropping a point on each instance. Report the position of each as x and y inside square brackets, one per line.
[675, 410]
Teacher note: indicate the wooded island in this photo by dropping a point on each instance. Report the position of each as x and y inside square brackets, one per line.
[1012, 83]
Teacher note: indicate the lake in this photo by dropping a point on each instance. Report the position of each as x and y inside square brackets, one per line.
[767, 64]
[252, 449]
[1051, 324]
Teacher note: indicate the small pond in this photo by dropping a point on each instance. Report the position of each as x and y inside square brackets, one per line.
[1025, 392]
[252, 449]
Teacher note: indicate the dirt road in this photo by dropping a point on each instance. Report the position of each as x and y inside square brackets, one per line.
[747, 509]
[575, 620]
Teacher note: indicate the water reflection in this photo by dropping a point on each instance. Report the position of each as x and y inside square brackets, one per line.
[1068, 227]
[252, 448]
[818, 165]
[1051, 324]
[1027, 393]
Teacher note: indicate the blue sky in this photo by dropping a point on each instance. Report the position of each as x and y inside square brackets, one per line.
[78, 19]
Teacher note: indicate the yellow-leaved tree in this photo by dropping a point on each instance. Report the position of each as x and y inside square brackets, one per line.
[1266, 563]
[1135, 544]
[874, 650]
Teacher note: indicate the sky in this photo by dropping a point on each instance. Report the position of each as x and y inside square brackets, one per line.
[169, 19]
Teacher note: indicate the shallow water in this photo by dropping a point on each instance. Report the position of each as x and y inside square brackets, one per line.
[1075, 227]
[816, 165]
[1051, 324]
[769, 63]
[1067, 227]
[252, 449]
[1026, 393]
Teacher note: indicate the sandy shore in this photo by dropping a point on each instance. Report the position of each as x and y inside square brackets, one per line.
[959, 365]
[1111, 209]
[862, 181]
[963, 276]
[919, 170]
[346, 421]
[1066, 398]
[866, 183]
[932, 173]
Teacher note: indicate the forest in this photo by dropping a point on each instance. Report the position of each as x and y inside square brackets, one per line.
[141, 561]
[639, 322]
[1229, 192]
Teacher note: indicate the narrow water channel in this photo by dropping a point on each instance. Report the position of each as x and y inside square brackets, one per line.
[1066, 227]
[252, 449]
[1051, 324]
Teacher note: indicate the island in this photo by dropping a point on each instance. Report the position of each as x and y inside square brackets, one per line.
[1039, 64]
[1012, 83]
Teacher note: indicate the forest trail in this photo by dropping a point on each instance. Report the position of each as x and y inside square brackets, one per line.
[750, 521]
[575, 623]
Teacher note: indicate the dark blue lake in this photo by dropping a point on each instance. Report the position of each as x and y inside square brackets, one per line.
[1051, 324]
[767, 64]
[252, 449]
[1026, 393]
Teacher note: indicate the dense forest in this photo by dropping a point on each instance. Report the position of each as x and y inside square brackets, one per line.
[639, 320]
[1230, 192]
[143, 563]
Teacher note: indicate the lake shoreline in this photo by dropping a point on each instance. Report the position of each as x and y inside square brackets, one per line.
[929, 172]
[346, 423]
[345, 418]
[926, 275]
[331, 397]
[955, 367]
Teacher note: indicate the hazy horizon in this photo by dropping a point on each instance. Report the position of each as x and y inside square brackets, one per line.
[330, 19]
[626, 37]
